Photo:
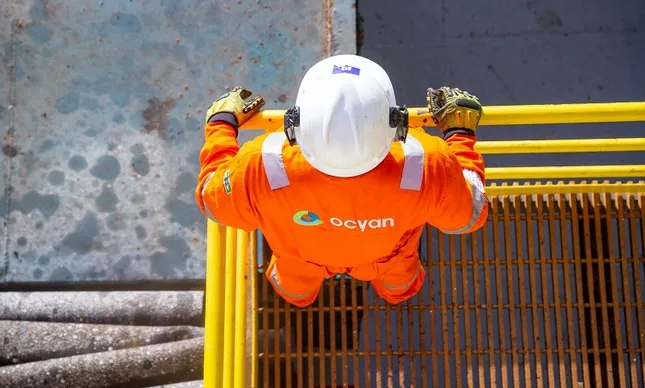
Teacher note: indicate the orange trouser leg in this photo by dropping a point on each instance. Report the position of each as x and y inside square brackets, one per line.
[399, 279]
[297, 282]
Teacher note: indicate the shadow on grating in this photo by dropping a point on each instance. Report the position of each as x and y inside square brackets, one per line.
[548, 294]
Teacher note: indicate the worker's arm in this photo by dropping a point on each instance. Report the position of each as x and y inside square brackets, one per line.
[458, 200]
[226, 176]
[462, 205]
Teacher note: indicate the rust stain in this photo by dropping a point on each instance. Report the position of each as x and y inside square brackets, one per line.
[282, 98]
[156, 115]
[328, 36]
[10, 151]
[50, 10]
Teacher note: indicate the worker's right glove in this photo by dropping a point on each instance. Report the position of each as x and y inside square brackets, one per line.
[454, 111]
[233, 108]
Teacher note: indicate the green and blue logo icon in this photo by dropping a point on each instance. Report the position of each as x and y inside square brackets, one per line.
[226, 181]
[306, 218]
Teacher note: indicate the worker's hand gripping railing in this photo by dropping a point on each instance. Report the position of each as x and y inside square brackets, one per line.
[230, 346]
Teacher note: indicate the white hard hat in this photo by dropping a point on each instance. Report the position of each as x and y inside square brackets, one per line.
[345, 105]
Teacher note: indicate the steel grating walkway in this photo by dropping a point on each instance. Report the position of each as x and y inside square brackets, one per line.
[548, 294]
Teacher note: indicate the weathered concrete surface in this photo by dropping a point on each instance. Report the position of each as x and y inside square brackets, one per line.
[171, 362]
[154, 308]
[24, 341]
[100, 147]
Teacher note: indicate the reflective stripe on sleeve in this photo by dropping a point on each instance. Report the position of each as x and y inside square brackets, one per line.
[208, 211]
[479, 200]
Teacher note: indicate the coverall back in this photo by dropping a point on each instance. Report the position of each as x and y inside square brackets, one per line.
[318, 225]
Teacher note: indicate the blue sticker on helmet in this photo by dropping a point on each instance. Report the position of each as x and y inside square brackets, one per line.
[346, 70]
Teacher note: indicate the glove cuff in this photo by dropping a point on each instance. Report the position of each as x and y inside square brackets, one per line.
[225, 117]
[457, 131]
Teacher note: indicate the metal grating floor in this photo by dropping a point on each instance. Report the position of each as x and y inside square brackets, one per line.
[550, 293]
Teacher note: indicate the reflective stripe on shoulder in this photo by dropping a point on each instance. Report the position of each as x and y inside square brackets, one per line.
[276, 173]
[413, 165]
[479, 200]
[272, 160]
[208, 211]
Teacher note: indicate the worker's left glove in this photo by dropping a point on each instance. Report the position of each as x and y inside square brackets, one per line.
[233, 108]
[454, 111]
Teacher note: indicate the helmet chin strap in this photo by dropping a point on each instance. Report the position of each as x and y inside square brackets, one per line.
[398, 120]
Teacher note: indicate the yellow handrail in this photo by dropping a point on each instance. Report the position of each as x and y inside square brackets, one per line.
[557, 172]
[560, 146]
[565, 188]
[604, 112]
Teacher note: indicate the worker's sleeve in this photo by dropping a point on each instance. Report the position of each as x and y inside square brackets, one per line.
[461, 205]
[463, 146]
[223, 192]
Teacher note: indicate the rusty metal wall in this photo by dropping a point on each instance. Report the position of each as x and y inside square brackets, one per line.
[101, 111]
[550, 293]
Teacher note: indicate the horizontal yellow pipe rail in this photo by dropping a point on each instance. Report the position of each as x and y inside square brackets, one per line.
[560, 172]
[603, 112]
[560, 146]
[566, 188]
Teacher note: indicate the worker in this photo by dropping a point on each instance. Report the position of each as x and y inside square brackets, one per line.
[345, 187]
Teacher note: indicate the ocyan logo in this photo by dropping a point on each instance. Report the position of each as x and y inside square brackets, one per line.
[306, 218]
[376, 223]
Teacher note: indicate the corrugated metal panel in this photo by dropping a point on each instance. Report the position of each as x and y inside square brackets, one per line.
[102, 104]
[550, 293]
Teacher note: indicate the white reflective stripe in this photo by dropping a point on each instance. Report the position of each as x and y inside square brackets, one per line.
[276, 283]
[208, 211]
[406, 285]
[413, 164]
[272, 160]
[479, 200]
[276, 173]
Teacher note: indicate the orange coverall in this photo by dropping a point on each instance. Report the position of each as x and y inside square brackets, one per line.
[317, 225]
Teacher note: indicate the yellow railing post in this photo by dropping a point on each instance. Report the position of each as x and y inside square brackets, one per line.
[241, 264]
[252, 302]
[229, 308]
[214, 308]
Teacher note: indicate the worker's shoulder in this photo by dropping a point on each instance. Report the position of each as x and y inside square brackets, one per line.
[254, 151]
[253, 147]
[433, 147]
